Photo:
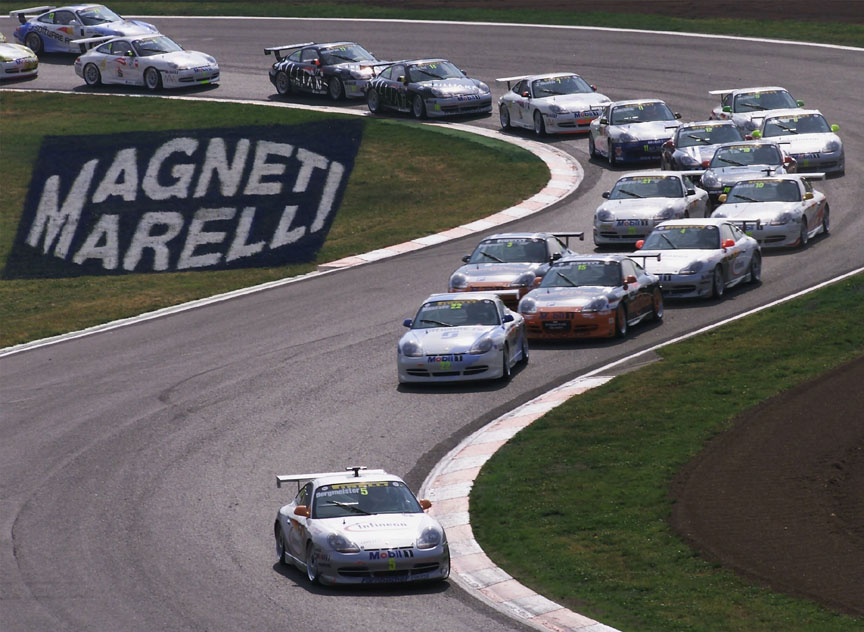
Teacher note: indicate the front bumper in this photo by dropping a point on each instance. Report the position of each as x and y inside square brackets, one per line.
[437, 107]
[19, 68]
[829, 162]
[202, 75]
[454, 367]
[406, 564]
[569, 123]
[620, 231]
[686, 285]
[638, 151]
[510, 301]
[773, 236]
[555, 324]
[355, 88]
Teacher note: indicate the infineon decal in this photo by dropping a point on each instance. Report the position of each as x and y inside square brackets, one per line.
[183, 200]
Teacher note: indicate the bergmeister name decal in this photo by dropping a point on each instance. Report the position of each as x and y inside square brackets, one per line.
[183, 200]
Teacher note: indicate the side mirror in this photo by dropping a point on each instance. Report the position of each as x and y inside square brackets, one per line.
[555, 256]
[508, 318]
[669, 144]
[129, 53]
[722, 198]
[691, 191]
[425, 504]
[639, 244]
[74, 22]
[605, 195]
[835, 128]
[316, 62]
[729, 243]
[631, 278]
[604, 121]
[407, 322]
[524, 95]
[800, 103]
[593, 87]
[301, 510]
[677, 115]
[808, 195]
[788, 160]
[727, 108]
[466, 258]
[402, 79]
[755, 135]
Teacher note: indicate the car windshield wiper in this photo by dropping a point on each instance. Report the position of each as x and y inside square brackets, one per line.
[428, 74]
[348, 506]
[341, 57]
[784, 127]
[668, 241]
[754, 106]
[568, 279]
[731, 162]
[738, 196]
[701, 139]
[435, 322]
[493, 257]
[630, 193]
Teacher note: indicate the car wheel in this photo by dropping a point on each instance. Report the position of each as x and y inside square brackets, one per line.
[804, 237]
[613, 162]
[33, 42]
[311, 564]
[152, 79]
[506, 374]
[504, 116]
[755, 268]
[283, 83]
[525, 352]
[621, 325]
[445, 567]
[592, 150]
[718, 285]
[539, 125]
[92, 76]
[335, 88]
[826, 220]
[418, 108]
[281, 550]
[657, 304]
[373, 101]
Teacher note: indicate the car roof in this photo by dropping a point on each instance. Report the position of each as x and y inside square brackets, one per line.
[593, 257]
[636, 102]
[791, 112]
[722, 123]
[739, 90]
[650, 172]
[517, 236]
[419, 61]
[462, 296]
[330, 478]
[756, 142]
[695, 221]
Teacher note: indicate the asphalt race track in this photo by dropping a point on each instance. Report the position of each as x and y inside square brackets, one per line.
[137, 466]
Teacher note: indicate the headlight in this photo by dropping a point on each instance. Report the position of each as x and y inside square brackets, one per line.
[603, 215]
[484, 89]
[666, 213]
[783, 218]
[212, 60]
[481, 345]
[412, 349]
[597, 305]
[719, 214]
[689, 161]
[624, 137]
[527, 306]
[458, 282]
[557, 109]
[363, 73]
[525, 280]
[831, 146]
[692, 268]
[437, 93]
[429, 539]
[342, 544]
[710, 180]
[171, 66]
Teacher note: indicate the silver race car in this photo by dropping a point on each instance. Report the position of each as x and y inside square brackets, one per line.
[693, 144]
[16, 61]
[743, 161]
[360, 527]
[458, 337]
[54, 29]
[640, 201]
[510, 261]
[780, 211]
[629, 131]
[746, 107]
[557, 103]
[701, 257]
[154, 61]
[806, 137]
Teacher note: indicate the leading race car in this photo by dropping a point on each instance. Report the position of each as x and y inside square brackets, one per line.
[457, 337]
[16, 61]
[590, 296]
[693, 144]
[635, 130]
[556, 103]
[154, 61]
[743, 161]
[431, 88]
[640, 201]
[701, 257]
[53, 30]
[806, 137]
[746, 107]
[337, 69]
[361, 527]
[510, 261]
[782, 211]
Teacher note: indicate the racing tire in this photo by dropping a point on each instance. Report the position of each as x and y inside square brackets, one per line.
[335, 89]
[504, 117]
[803, 237]
[152, 79]
[283, 84]
[34, 42]
[373, 101]
[592, 150]
[539, 124]
[506, 373]
[311, 565]
[281, 549]
[418, 108]
[718, 285]
[445, 568]
[755, 274]
[613, 162]
[525, 351]
[92, 76]
[621, 325]
[657, 305]
[826, 220]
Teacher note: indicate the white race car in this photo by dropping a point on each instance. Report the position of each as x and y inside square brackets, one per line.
[458, 337]
[154, 61]
[16, 61]
[557, 103]
[361, 527]
[806, 137]
[628, 131]
[734, 162]
[746, 107]
[701, 257]
[639, 201]
[779, 211]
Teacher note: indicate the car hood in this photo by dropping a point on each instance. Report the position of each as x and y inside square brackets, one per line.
[576, 101]
[11, 52]
[671, 261]
[701, 153]
[446, 340]
[640, 208]
[734, 174]
[496, 272]
[452, 87]
[186, 59]
[807, 143]
[766, 211]
[653, 130]
[127, 28]
[381, 531]
[568, 296]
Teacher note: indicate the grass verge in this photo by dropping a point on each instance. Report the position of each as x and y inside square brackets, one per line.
[394, 194]
[576, 505]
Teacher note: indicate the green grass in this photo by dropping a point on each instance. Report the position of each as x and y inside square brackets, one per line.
[394, 194]
[827, 32]
[576, 506]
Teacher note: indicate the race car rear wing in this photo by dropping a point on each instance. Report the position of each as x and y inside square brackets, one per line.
[23, 14]
[743, 223]
[656, 255]
[89, 42]
[277, 50]
[509, 80]
[567, 236]
[298, 478]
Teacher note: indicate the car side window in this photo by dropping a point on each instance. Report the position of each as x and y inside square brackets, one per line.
[48, 18]
[521, 87]
[808, 187]
[105, 49]
[628, 268]
[295, 56]
[737, 234]
[304, 495]
[308, 54]
[120, 48]
[398, 71]
[63, 17]
[726, 232]
[556, 245]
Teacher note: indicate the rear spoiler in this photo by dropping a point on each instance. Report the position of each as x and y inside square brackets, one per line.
[89, 42]
[811, 176]
[695, 173]
[721, 92]
[510, 80]
[23, 14]
[567, 236]
[657, 256]
[298, 478]
[277, 50]
[742, 223]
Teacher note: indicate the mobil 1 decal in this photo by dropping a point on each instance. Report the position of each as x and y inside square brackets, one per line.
[201, 199]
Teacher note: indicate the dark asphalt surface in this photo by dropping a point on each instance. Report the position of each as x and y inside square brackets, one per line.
[136, 467]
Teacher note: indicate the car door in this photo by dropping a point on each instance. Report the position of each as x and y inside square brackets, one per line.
[521, 104]
[395, 87]
[310, 77]
[296, 535]
[814, 207]
[638, 298]
[601, 140]
[123, 64]
[512, 330]
[737, 259]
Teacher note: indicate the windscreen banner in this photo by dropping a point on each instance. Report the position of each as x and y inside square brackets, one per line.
[171, 201]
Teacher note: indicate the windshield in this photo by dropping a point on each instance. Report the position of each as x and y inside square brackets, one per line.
[583, 273]
[510, 251]
[345, 53]
[456, 313]
[157, 45]
[97, 15]
[433, 70]
[683, 237]
[764, 191]
[641, 113]
[743, 155]
[365, 498]
[767, 100]
[791, 125]
[647, 187]
[553, 86]
[708, 135]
